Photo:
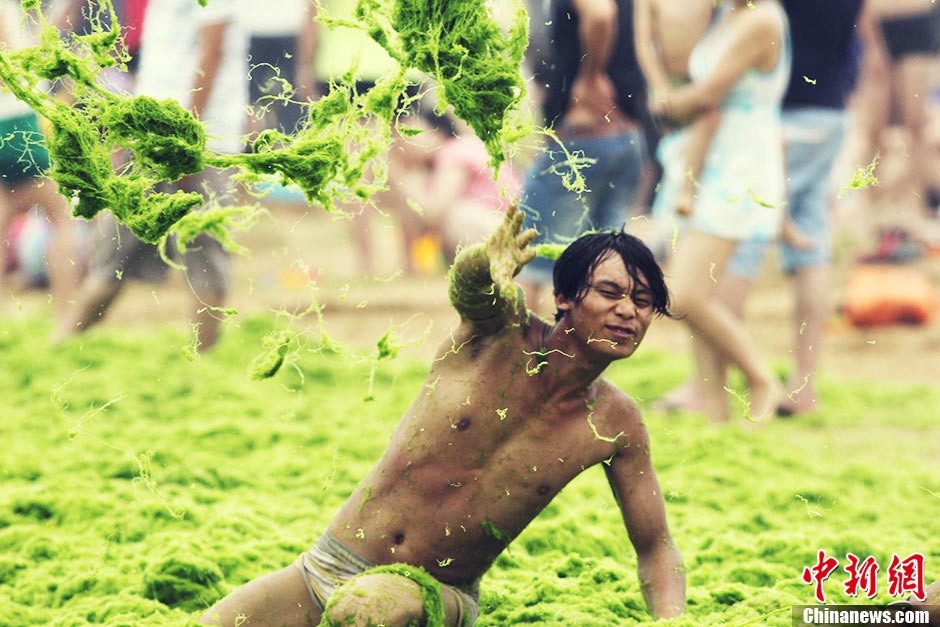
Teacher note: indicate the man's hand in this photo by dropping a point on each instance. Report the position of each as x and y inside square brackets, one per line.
[508, 250]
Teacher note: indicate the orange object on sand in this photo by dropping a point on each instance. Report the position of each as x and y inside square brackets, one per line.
[881, 295]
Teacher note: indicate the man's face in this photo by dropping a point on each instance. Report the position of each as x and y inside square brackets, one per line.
[615, 312]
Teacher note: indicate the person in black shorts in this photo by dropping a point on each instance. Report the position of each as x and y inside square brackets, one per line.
[900, 97]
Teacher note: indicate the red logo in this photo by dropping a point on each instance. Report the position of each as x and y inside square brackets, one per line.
[819, 573]
[862, 574]
[905, 576]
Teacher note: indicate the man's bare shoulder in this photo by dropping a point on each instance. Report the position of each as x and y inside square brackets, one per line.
[525, 329]
[621, 413]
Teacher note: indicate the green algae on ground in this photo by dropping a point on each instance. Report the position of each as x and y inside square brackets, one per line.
[183, 580]
[255, 472]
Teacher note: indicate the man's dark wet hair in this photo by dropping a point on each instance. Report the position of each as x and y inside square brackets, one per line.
[576, 265]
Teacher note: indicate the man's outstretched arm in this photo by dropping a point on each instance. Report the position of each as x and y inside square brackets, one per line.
[482, 289]
[633, 481]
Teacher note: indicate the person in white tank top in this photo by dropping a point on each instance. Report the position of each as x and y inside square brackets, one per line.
[740, 67]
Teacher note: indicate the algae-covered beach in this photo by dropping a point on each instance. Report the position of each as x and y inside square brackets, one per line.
[138, 487]
[141, 481]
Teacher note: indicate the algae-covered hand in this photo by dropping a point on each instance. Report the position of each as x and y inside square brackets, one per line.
[508, 250]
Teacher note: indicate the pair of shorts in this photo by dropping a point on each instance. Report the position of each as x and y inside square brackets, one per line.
[909, 35]
[814, 137]
[561, 215]
[330, 564]
[270, 64]
[23, 153]
[118, 255]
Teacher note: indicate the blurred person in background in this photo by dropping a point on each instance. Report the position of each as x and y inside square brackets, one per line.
[461, 200]
[741, 66]
[281, 49]
[902, 96]
[337, 49]
[23, 163]
[825, 39]
[76, 16]
[593, 98]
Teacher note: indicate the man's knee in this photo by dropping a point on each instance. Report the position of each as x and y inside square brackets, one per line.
[380, 599]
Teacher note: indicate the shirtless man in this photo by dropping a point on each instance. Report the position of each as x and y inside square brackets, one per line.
[512, 410]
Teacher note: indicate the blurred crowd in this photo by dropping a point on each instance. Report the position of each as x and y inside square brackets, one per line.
[712, 129]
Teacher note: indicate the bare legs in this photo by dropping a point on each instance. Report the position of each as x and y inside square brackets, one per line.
[907, 91]
[97, 293]
[120, 256]
[811, 288]
[812, 304]
[207, 316]
[698, 261]
[280, 598]
[91, 302]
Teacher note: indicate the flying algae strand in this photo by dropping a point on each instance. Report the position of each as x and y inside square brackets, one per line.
[266, 365]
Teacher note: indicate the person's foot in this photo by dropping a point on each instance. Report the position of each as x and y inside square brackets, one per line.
[799, 399]
[686, 397]
[763, 397]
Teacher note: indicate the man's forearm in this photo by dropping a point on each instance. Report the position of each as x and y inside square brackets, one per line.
[662, 580]
[472, 291]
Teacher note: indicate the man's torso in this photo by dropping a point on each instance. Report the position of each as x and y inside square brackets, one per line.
[478, 454]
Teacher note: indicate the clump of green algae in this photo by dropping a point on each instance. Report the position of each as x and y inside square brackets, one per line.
[430, 593]
[463, 49]
[457, 43]
[183, 581]
[266, 365]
